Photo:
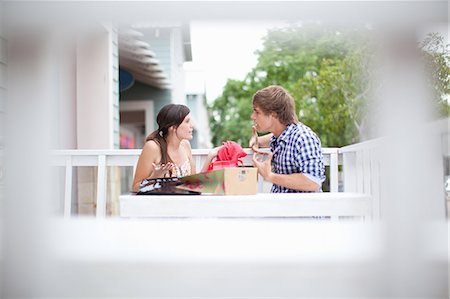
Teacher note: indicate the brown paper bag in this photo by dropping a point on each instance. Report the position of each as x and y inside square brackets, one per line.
[225, 181]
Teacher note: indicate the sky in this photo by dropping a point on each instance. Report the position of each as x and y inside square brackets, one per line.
[222, 50]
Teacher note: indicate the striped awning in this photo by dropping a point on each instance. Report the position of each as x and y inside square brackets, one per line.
[136, 56]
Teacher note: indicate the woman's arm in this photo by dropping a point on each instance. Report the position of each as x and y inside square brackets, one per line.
[145, 168]
[211, 155]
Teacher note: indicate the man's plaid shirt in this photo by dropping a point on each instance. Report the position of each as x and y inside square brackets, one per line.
[297, 150]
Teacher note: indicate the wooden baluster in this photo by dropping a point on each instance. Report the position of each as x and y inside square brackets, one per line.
[101, 187]
[68, 187]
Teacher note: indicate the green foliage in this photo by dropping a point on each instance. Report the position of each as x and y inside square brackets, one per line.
[326, 71]
[437, 56]
[230, 114]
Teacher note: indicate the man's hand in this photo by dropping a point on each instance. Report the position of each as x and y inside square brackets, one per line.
[256, 142]
[263, 162]
[253, 143]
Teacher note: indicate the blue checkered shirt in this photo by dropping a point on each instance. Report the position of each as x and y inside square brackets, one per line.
[297, 150]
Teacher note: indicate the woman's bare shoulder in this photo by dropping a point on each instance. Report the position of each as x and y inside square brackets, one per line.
[151, 146]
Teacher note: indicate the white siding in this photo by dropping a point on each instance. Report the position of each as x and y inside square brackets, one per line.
[115, 87]
[176, 67]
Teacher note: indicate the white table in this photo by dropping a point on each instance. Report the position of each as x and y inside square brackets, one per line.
[332, 204]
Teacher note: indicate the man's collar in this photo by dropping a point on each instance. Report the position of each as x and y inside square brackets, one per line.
[284, 135]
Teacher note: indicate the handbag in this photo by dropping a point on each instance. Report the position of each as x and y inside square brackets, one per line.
[223, 164]
[163, 186]
[228, 155]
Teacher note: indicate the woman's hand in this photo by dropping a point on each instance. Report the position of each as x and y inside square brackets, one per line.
[211, 156]
[160, 170]
[213, 153]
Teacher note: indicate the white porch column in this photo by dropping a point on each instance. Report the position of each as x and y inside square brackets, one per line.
[95, 125]
[97, 115]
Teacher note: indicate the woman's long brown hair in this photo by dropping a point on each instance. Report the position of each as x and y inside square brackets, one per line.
[170, 115]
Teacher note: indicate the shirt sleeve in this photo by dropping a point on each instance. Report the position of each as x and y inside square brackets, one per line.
[316, 180]
[311, 159]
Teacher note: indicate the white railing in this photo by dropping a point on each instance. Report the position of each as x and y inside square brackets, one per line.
[363, 167]
[361, 170]
[106, 158]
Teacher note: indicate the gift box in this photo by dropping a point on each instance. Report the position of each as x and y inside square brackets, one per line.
[225, 181]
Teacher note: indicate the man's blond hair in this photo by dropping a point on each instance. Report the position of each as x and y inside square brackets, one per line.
[276, 99]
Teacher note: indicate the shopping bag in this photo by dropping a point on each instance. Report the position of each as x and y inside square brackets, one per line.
[228, 155]
[222, 164]
[224, 181]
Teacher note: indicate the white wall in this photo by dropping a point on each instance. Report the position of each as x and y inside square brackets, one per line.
[177, 71]
[95, 107]
[66, 130]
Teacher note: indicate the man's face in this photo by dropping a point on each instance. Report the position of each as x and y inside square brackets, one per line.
[262, 122]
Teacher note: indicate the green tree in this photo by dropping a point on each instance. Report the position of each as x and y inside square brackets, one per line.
[326, 71]
[230, 114]
[437, 56]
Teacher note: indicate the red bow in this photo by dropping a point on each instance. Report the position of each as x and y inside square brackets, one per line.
[228, 156]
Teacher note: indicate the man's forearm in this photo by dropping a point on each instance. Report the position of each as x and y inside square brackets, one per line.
[296, 181]
[264, 141]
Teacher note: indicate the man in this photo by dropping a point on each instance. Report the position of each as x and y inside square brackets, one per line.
[296, 154]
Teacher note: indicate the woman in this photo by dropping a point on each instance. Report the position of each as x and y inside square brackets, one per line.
[167, 151]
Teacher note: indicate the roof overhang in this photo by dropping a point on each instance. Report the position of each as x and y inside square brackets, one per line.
[136, 56]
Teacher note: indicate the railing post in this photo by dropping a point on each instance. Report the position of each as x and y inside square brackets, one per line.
[375, 180]
[334, 181]
[198, 163]
[367, 172]
[349, 169]
[260, 184]
[359, 171]
[101, 187]
[68, 187]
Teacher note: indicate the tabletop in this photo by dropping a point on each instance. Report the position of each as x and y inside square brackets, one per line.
[332, 204]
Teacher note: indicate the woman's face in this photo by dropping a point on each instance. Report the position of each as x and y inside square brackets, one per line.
[184, 130]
